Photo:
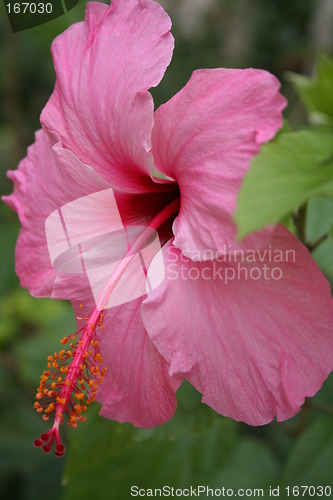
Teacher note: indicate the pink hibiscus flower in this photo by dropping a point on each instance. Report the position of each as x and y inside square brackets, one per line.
[255, 345]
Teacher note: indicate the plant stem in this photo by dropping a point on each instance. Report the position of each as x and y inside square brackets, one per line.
[300, 222]
[313, 246]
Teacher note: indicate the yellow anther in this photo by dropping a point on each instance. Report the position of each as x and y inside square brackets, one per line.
[62, 401]
[78, 409]
[79, 396]
[50, 408]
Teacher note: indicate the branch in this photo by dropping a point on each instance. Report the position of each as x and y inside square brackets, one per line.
[299, 219]
[313, 246]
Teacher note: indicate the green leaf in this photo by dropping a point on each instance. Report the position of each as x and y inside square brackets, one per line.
[251, 465]
[323, 256]
[330, 233]
[288, 171]
[319, 218]
[320, 223]
[106, 456]
[316, 93]
[310, 462]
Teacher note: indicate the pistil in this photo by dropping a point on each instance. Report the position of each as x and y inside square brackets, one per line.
[74, 373]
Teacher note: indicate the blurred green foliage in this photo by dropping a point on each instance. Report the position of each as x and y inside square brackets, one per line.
[197, 446]
[317, 93]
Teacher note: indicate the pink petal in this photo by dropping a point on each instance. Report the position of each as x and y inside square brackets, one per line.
[204, 138]
[101, 107]
[137, 387]
[48, 178]
[255, 348]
